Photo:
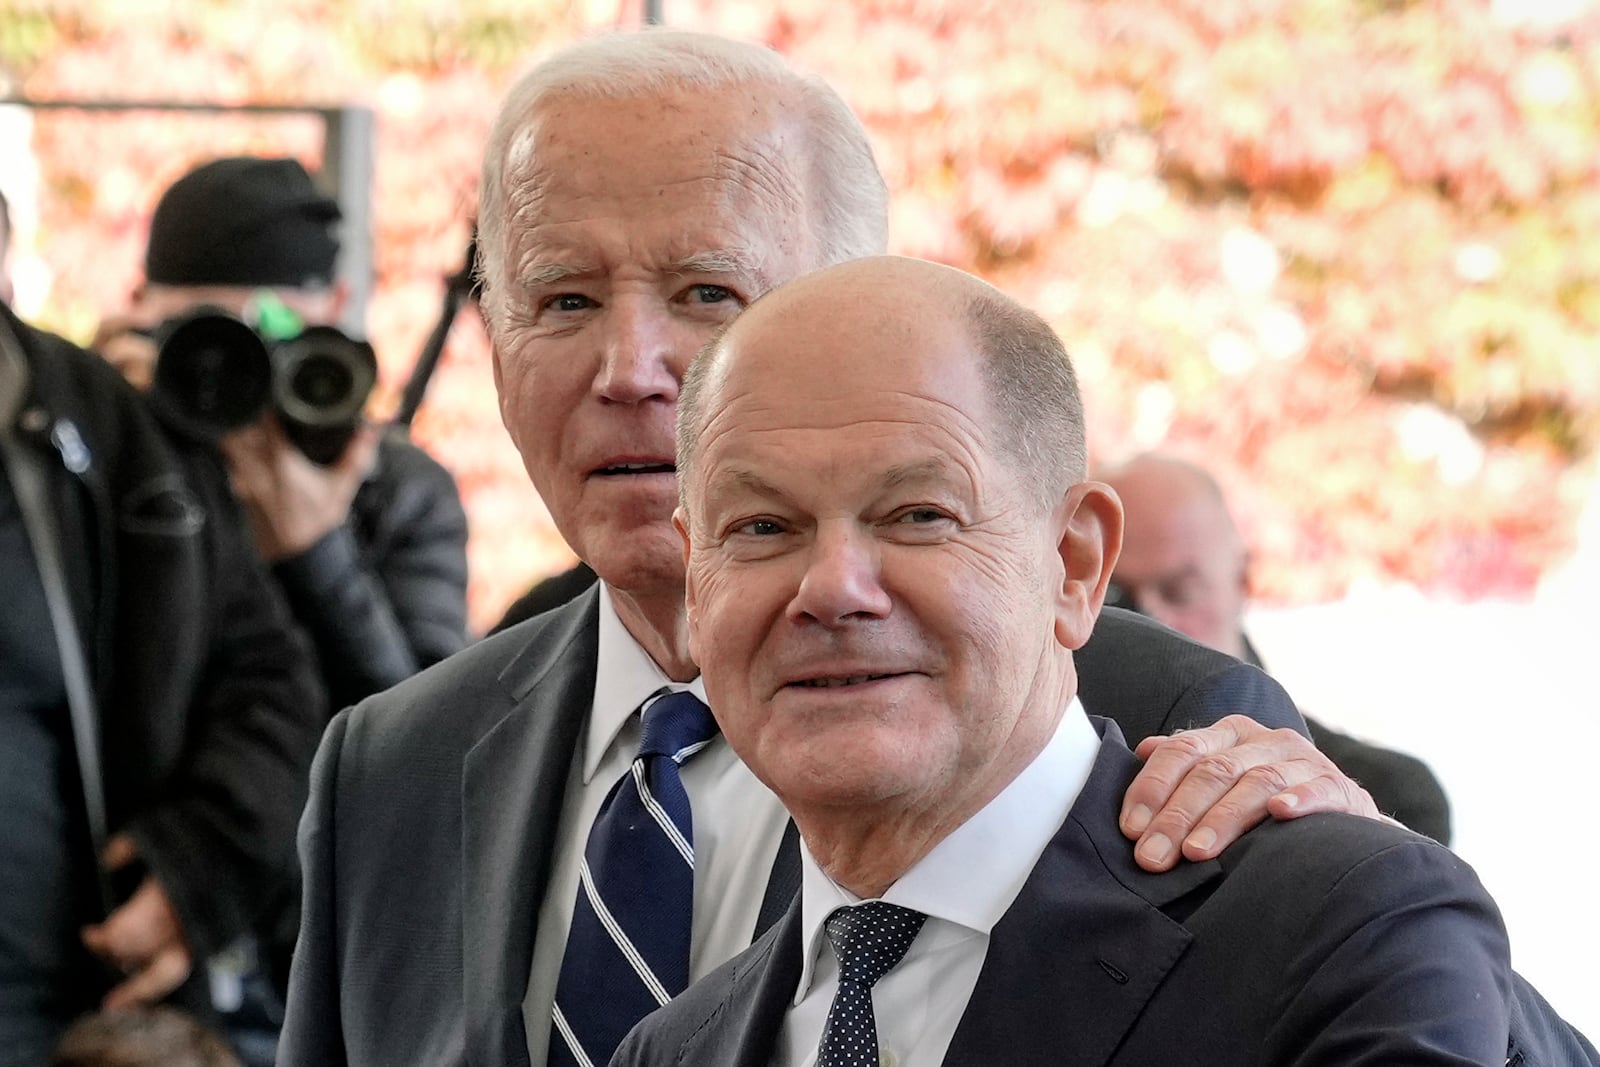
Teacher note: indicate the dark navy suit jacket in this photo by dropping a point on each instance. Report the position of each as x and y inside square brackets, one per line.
[1328, 940]
[434, 809]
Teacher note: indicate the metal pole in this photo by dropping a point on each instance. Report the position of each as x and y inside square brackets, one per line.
[652, 12]
[347, 163]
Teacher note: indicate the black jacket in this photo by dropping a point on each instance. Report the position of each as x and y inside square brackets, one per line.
[209, 709]
[385, 595]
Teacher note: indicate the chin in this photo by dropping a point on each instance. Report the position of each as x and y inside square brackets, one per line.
[639, 563]
[852, 772]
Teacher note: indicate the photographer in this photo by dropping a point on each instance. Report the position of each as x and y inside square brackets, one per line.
[158, 712]
[369, 545]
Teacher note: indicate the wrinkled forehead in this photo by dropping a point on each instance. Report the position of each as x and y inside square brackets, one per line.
[827, 367]
[659, 152]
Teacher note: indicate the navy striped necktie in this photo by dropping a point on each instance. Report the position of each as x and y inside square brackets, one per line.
[628, 948]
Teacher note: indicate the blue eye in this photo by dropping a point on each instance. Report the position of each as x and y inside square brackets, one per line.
[712, 294]
[569, 302]
[760, 528]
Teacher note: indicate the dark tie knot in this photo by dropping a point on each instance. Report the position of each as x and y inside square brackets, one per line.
[676, 722]
[871, 938]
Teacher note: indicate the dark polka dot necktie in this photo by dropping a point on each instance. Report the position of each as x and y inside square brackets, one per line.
[869, 940]
[628, 947]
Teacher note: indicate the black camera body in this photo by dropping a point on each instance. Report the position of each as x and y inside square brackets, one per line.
[215, 374]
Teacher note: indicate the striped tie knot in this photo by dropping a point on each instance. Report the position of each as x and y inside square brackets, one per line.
[677, 725]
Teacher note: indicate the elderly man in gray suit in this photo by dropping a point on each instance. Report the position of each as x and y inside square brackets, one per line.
[473, 894]
[892, 556]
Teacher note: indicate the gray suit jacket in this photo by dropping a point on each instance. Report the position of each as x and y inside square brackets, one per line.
[427, 842]
[1329, 940]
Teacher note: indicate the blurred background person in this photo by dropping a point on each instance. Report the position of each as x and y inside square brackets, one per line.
[364, 531]
[369, 546]
[547, 593]
[158, 709]
[1184, 564]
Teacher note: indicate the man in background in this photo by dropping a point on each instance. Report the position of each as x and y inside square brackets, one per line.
[370, 548]
[1184, 564]
[366, 542]
[158, 709]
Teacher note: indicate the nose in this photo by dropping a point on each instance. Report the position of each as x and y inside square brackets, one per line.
[644, 353]
[843, 580]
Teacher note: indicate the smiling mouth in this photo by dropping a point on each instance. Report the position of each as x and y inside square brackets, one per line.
[637, 468]
[834, 683]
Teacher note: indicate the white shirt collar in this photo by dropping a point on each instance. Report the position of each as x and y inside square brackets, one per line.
[972, 877]
[625, 677]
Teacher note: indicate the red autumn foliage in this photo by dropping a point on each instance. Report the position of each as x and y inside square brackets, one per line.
[1344, 253]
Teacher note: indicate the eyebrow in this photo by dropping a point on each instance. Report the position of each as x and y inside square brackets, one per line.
[729, 261]
[740, 478]
[901, 474]
[551, 273]
[918, 471]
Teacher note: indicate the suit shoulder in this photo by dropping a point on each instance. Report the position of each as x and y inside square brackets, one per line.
[1337, 854]
[447, 707]
[1152, 680]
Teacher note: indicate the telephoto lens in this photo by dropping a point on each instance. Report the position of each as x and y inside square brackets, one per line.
[321, 381]
[213, 374]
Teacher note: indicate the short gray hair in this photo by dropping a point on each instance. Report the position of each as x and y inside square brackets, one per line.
[846, 189]
[1034, 391]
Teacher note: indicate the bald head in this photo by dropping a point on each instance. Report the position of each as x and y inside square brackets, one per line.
[1183, 561]
[886, 308]
[880, 467]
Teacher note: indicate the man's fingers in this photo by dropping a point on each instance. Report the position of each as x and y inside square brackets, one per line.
[137, 931]
[1325, 792]
[1249, 774]
[120, 851]
[164, 973]
[1168, 760]
[1149, 744]
[1223, 795]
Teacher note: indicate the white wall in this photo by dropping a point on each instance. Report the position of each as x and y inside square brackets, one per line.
[1503, 701]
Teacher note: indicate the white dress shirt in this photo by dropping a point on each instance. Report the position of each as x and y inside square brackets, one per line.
[738, 824]
[964, 885]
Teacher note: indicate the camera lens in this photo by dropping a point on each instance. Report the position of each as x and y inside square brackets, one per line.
[212, 374]
[324, 377]
[323, 380]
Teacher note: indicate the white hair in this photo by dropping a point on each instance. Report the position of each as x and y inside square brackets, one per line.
[846, 190]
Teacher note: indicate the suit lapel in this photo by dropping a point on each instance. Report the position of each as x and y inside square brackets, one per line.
[513, 782]
[1083, 948]
[742, 1030]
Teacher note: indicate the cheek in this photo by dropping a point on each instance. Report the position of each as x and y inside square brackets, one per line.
[715, 623]
[531, 397]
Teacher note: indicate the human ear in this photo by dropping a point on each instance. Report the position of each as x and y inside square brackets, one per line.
[691, 590]
[1089, 524]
